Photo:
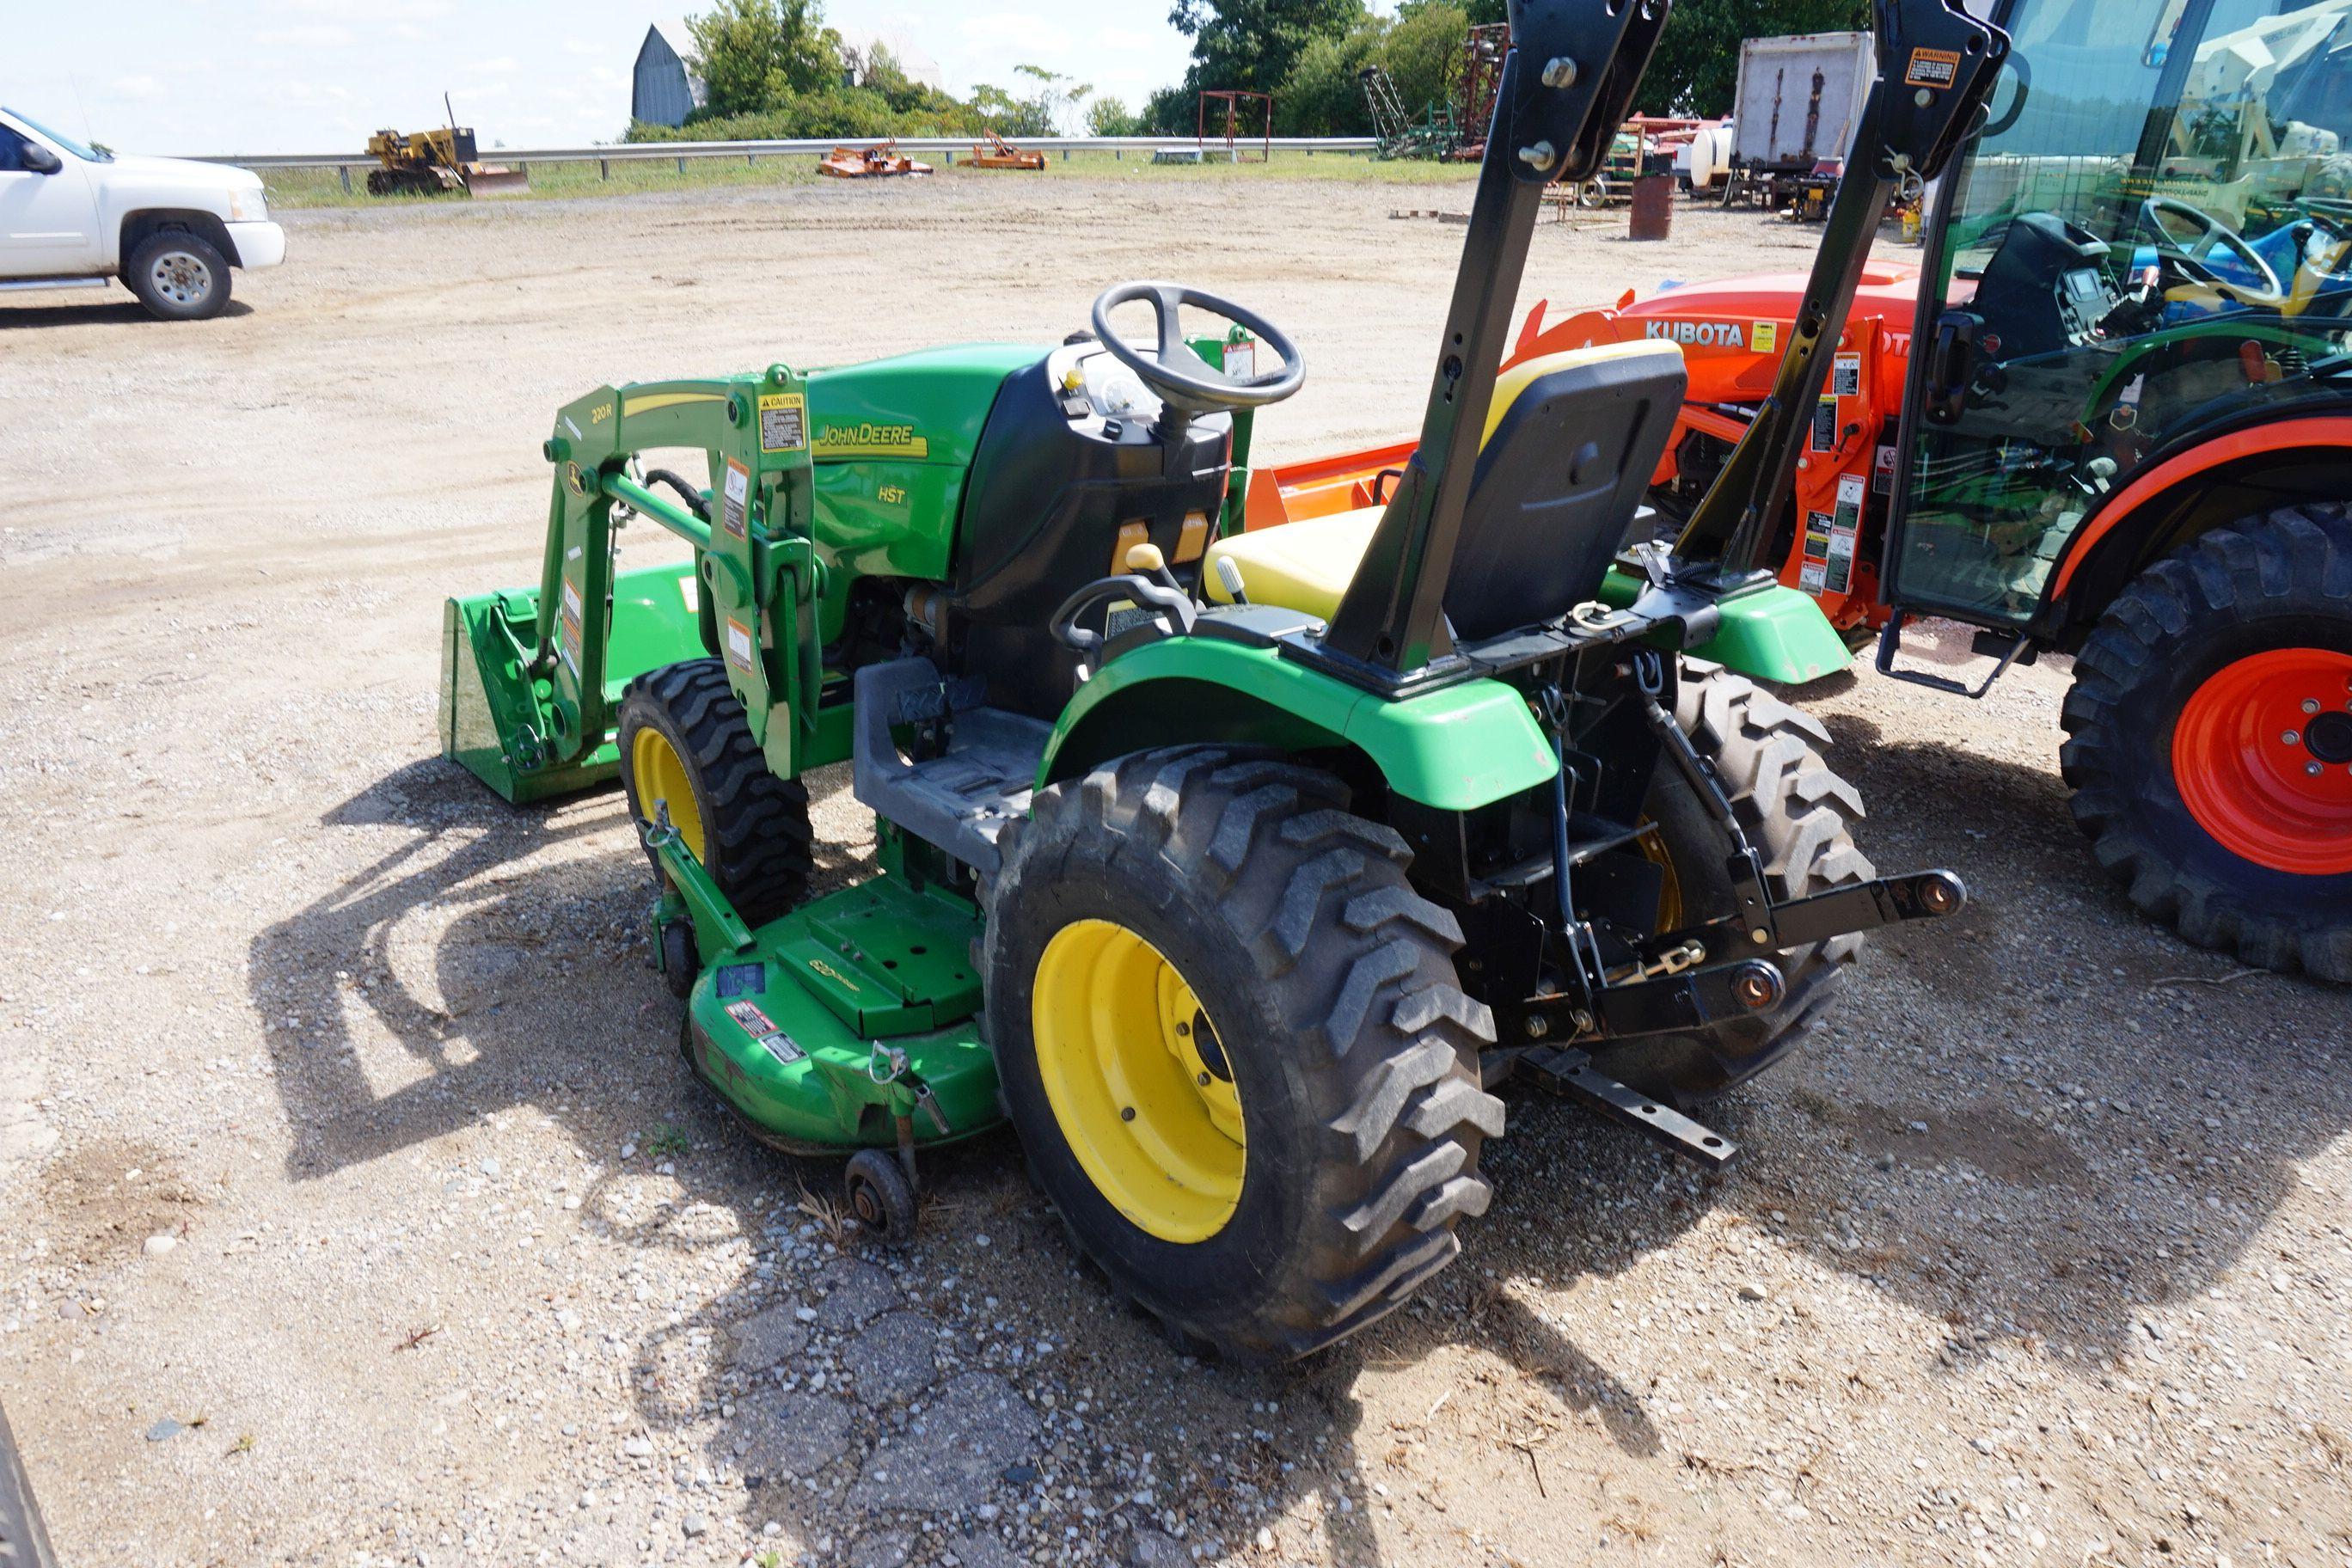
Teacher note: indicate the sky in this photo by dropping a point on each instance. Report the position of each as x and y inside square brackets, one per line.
[197, 77]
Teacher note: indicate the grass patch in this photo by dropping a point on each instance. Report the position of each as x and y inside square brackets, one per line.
[577, 178]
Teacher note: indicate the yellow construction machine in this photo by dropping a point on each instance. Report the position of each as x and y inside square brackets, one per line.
[430, 162]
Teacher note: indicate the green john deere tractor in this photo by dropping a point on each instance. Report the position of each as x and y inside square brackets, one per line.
[1235, 870]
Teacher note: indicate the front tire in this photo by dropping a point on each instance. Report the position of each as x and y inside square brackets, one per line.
[178, 277]
[2209, 740]
[1292, 1167]
[686, 742]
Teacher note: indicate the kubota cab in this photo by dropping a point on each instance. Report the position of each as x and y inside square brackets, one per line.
[2109, 412]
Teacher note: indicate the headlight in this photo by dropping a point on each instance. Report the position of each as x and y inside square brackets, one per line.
[248, 205]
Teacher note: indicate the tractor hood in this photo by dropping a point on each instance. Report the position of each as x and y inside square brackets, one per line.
[1723, 314]
[926, 407]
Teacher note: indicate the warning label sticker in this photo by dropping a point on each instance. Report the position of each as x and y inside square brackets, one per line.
[739, 645]
[568, 615]
[1846, 375]
[1932, 68]
[1882, 470]
[1764, 337]
[783, 422]
[735, 499]
[1825, 426]
[754, 1022]
[1810, 576]
[1241, 361]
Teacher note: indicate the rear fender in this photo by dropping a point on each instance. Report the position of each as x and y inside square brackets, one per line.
[2175, 500]
[1455, 748]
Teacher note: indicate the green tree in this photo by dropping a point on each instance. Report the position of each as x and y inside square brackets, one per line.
[751, 54]
[1696, 67]
[1108, 116]
[1324, 94]
[1422, 52]
[1255, 44]
[1038, 114]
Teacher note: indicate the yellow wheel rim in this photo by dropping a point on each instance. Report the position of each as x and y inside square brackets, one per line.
[1137, 1080]
[657, 774]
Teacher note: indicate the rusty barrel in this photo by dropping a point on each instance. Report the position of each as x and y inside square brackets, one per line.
[1653, 200]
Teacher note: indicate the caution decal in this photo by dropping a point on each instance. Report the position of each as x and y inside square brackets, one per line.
[783, 422]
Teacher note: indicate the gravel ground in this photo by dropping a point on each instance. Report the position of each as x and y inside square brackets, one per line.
[359, 1211]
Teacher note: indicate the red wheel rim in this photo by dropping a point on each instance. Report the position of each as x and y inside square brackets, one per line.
[2263, 758]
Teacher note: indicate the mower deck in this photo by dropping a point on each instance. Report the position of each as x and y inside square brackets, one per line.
[826, 1026]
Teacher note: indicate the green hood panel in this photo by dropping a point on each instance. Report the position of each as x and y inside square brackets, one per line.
[925, 407]
[1455, 748]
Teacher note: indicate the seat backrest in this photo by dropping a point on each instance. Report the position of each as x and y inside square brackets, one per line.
[1572, 441]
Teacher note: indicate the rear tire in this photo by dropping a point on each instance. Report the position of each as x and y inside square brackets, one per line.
[1799, 816]
[178, 277]
[2203, 850]
[750, 829]
[24, 1542]
[1353, 1052]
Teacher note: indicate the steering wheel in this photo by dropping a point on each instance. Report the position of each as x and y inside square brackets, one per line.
[2212, 234]
[1182, 379]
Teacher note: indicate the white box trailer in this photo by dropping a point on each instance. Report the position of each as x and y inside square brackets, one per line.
[1798, 98]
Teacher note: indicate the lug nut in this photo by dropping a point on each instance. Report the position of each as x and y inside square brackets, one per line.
[2312, 768]
[2290, 738]
[1538, 156]
[1126, 1113]
[2311, 704]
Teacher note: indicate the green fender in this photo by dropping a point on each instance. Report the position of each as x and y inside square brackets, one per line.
[1454, 749]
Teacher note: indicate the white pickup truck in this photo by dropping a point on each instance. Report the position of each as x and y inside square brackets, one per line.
[170, 228]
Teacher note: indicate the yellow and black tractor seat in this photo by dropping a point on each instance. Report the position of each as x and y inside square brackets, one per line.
[1571, 442]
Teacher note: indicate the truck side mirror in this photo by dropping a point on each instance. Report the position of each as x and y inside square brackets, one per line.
[38, 160]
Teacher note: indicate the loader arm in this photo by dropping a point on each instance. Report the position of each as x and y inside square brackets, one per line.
[1936, 66]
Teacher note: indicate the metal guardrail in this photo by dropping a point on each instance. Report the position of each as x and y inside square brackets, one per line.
[660, 152]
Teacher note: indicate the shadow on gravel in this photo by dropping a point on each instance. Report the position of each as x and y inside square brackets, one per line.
[2008, 1127]
[113, 311]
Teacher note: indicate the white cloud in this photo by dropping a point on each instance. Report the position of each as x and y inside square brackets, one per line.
[144, 88]
[1018, 33]
[308, 35]
[502, 66]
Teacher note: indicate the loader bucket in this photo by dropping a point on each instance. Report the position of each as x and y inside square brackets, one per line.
[497, 180]
[497, 720]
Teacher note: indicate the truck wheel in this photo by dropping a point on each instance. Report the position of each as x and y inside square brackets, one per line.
[178, 276]
[1233, 1042]
[685, 742]
[1799, 816]
[2210, 739]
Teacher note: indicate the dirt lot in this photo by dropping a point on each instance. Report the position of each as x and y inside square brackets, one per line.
[359, 1211]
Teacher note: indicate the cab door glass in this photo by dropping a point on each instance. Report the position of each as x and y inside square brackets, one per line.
[2151, 240]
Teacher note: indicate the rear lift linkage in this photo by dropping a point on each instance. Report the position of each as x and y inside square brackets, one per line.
[1667, 988]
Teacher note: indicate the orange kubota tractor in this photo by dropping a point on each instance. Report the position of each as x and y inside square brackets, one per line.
[2110, 414]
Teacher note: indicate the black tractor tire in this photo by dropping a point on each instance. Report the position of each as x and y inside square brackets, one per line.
[178, 276]
[1799, 816]
[756, 837]
[1351, 1045]
[2278, 580]
[24, 1542]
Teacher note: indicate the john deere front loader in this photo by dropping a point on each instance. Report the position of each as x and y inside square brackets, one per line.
[1237, 869]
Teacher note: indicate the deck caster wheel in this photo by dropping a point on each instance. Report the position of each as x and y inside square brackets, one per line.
[680, 962]
[880, 1196]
